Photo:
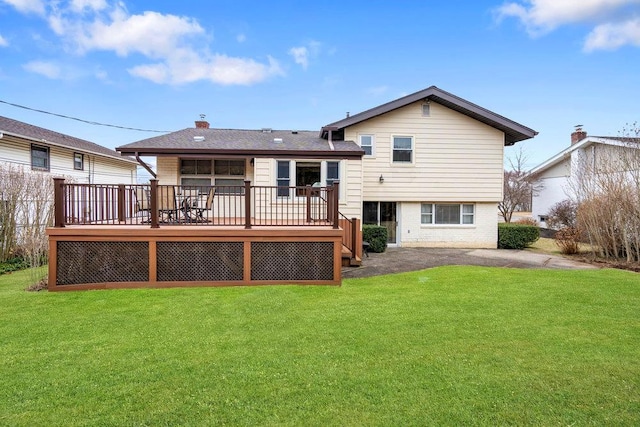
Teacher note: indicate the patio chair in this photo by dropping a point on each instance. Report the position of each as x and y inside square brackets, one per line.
[142, 199]
[199, 210]
[167, 207]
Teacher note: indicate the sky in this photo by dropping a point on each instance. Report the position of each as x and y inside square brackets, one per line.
[157, 65]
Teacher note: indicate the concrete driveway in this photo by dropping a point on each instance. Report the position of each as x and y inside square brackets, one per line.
[397, 260]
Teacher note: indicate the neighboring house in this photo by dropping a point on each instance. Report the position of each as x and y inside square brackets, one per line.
[428, 166]
[43, 150]
[586, 154]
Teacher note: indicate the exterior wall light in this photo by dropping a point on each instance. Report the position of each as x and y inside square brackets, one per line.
[381, 179]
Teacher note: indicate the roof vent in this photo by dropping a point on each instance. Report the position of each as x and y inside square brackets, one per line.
[277, 140]
[198, 138]
[266, 130]
[295, 132]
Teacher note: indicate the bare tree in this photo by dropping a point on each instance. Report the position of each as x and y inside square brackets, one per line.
[518, 186]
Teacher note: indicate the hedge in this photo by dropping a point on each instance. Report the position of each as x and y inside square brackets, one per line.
[516, 236]
[376, 236]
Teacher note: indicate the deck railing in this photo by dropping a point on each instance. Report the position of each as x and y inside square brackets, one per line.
[221, 205]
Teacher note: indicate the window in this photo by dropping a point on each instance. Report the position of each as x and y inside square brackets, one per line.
[366, 143]
[229, 175]
[402, 149]
[200, 184]
[78, 161]
[195, 167]
[39, 157]
[283, 179]
[447, 213]
[307, 173]
[229, 167]
[333, 173]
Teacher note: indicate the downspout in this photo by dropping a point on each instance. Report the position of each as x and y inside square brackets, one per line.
[146, 166]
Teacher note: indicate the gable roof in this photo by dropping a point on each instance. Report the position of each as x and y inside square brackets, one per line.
[45, 136]
[244, 142]
[585, 142]
[513, 131]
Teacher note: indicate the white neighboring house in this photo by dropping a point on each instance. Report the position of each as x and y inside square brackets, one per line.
[555, 173]
[43, 150]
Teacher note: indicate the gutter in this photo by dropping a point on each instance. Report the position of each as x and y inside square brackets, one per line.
[146, 166]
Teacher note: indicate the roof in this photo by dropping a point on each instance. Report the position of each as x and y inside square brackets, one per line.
[513, 131]
[45, 136]
[255, 143]
[585, 142]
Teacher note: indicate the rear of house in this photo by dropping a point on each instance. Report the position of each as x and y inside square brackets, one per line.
[432, 172]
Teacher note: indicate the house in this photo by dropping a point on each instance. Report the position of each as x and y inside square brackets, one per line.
[428, 166]
[585, 155]
[43, 150]
[284, 206]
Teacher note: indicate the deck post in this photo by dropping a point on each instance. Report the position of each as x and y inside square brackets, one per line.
[58, 202]
[307, 191]
[121, 199]
[354, 236]
[336, 204]
[153, 203]
[247, 204]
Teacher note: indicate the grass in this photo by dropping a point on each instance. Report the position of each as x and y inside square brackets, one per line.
[445, 346]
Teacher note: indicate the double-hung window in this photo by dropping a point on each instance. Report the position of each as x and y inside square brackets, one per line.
[333, 173]
[283, 180]
[196, 173]
[447, 213]
[39, 157]
[229, 175]
[402, 149]
[78, 161]
[366, 143]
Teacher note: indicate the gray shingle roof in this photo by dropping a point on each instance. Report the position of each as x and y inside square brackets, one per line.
[255, 143]
[513, 131]
[42, 135]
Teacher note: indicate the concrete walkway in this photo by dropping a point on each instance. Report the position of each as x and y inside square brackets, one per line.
[397, 260]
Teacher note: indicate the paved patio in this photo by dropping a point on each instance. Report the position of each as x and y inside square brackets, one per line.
[397, 260]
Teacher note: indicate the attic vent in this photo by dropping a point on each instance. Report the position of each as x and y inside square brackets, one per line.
[198, 138]
[266, 130]
[277, 140]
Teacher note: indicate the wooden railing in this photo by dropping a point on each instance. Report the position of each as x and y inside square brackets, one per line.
[157, 205]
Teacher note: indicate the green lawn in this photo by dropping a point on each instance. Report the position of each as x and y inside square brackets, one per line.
[446, 346]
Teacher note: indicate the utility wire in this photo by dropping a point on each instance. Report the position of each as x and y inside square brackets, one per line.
[82, 120]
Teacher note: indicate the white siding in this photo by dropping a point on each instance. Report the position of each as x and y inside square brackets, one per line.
[482, 234]
[456, 158]
[168, 170]
[97, 169]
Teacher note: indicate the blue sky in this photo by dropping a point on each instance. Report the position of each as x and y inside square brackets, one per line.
[547, 64]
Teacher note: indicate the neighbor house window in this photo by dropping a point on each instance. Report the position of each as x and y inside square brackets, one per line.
[447, 213]
[78, 161]
[195, 167]
[39, 157]
[229, 175]
[402, 149]
[366, 143]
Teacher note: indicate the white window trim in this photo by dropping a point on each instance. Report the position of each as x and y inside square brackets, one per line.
[323, 174]
[373, 143]
[413, 151]
[459, 225]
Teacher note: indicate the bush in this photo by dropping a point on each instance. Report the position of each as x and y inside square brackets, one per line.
[568, 239]
[376, 236]
[516, 236]
[14, 264]
[562, 214]
[528, 221]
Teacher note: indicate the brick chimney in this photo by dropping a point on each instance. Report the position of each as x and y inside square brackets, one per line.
[578, 134]
[202, 123]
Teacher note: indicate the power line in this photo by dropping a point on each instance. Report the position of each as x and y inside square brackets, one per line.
[82, 120]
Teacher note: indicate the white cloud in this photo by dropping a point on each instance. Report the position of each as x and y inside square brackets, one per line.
[300, 56]
[175, 47]
[47, 69]
[3, 42]
[612, 36]
[303, 54]
[543, 16]
[27, 6]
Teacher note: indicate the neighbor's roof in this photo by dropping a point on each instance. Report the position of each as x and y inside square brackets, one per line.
[618, 141]
[255, 143]
[513, 131]
[45, 136]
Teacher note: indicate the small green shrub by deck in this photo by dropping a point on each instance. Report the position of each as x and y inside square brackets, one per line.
[516, 236]
[376, 236]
